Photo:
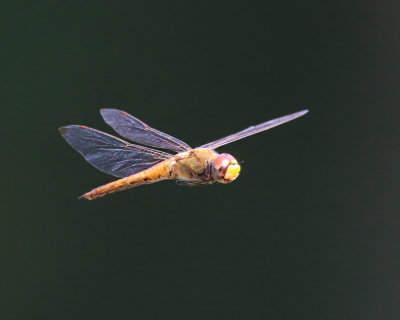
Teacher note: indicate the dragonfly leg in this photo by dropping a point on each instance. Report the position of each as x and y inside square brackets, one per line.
[192, 183]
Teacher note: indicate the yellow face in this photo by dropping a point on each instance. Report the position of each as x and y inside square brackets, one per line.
[225, 168]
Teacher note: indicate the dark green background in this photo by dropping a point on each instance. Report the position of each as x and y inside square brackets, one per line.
[310, 230]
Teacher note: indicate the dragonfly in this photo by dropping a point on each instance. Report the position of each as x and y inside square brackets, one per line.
[139, 163]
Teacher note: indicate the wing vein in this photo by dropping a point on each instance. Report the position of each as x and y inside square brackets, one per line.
[137, 131]
[111, 154]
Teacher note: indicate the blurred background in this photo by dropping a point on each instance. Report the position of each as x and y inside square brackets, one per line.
[308, 231]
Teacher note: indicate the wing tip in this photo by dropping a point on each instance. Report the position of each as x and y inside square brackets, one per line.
[62, 130]
[303, 112]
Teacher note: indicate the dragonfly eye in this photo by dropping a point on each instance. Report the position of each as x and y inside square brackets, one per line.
[225, 168]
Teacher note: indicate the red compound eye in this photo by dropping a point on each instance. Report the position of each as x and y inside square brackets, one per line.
[223, 159]
[222, 162]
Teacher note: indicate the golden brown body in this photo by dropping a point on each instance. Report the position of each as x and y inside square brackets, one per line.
[190, 168]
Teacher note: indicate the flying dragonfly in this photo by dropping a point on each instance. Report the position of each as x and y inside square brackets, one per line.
[136, 165]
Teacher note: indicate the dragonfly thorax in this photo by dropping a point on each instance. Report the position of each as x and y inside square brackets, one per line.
[225, 168]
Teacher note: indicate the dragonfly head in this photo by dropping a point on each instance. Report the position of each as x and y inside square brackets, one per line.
[225, 168]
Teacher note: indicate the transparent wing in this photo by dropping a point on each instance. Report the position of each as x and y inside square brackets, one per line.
[253, 130]
[110, 154]
[137, 131]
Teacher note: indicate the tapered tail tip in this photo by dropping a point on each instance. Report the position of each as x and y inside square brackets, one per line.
[86, 196]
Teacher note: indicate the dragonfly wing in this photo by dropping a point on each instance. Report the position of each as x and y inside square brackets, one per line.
[253, 130]
[137, 131]
[110, 154]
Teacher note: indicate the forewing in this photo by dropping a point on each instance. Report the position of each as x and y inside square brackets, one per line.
[110, 154]
[137, 131]
[253, 130]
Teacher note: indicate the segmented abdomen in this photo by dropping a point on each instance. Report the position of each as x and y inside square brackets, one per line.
[155, 173]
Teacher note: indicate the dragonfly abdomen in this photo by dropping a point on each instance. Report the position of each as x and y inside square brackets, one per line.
[153, 174]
